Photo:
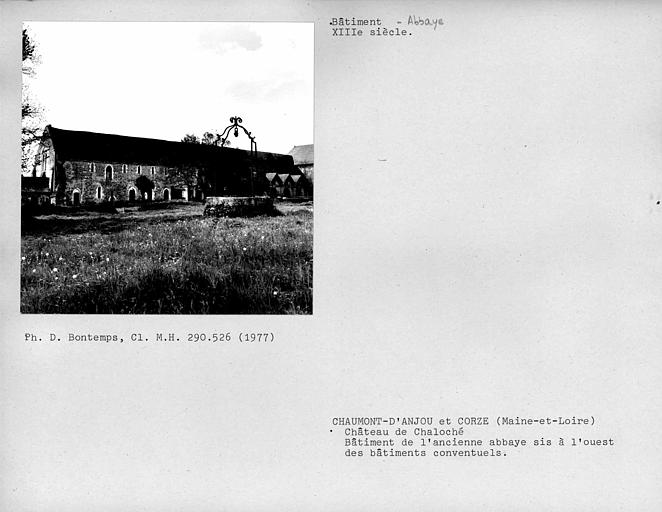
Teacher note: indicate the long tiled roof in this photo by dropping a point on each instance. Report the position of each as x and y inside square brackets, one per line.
[92, 146]
[302, 154]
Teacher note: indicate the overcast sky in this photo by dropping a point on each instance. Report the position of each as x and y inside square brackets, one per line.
[163, 80]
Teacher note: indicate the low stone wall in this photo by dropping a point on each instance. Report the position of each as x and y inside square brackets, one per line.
[239, 206]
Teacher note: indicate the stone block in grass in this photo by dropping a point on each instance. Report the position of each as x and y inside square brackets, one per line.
[239, 206]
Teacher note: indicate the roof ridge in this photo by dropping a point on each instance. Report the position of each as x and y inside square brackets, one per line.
[116, 135]
[66, 131]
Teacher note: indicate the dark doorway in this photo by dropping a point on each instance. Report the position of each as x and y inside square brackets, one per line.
[132, 195]
[76, 198]
[166, 195]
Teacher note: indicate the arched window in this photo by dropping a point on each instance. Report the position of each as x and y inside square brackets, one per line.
[152, 170]
[123, 168]
[132, 194]
[109, 173]
[75, 197]
[99, 192]
[139, 170]
[166, 194]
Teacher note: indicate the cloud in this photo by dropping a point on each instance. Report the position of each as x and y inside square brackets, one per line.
[264, 90]
[247, 90]
[226, 38]
[285, 89]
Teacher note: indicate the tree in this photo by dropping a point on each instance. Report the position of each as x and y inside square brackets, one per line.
[191, 139]
[227, 144]
[144, 185]
[185, 176]
[209, 138]
[31, 112]
[30, 55]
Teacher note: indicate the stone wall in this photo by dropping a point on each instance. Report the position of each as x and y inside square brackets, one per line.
[45, 161]
[86, 182]
[238, 206]
[308, 172]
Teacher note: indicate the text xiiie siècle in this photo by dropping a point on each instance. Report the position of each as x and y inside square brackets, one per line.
[358, 27]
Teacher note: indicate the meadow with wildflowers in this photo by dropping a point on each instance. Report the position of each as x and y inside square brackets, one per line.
[169, 261]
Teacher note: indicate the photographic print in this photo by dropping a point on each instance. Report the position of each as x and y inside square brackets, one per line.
[167, 168]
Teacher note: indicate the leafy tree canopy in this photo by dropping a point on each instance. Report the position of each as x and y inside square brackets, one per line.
[144, 184]
[31, 111]
[209, 138]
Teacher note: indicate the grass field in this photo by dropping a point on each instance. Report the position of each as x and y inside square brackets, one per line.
[168, 261]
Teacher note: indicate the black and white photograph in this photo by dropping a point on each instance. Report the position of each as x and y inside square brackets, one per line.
[167, 168]
[462, 313]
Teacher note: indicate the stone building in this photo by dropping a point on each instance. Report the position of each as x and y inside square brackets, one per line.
[75, 167]
[35, 190]
[303, 159]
